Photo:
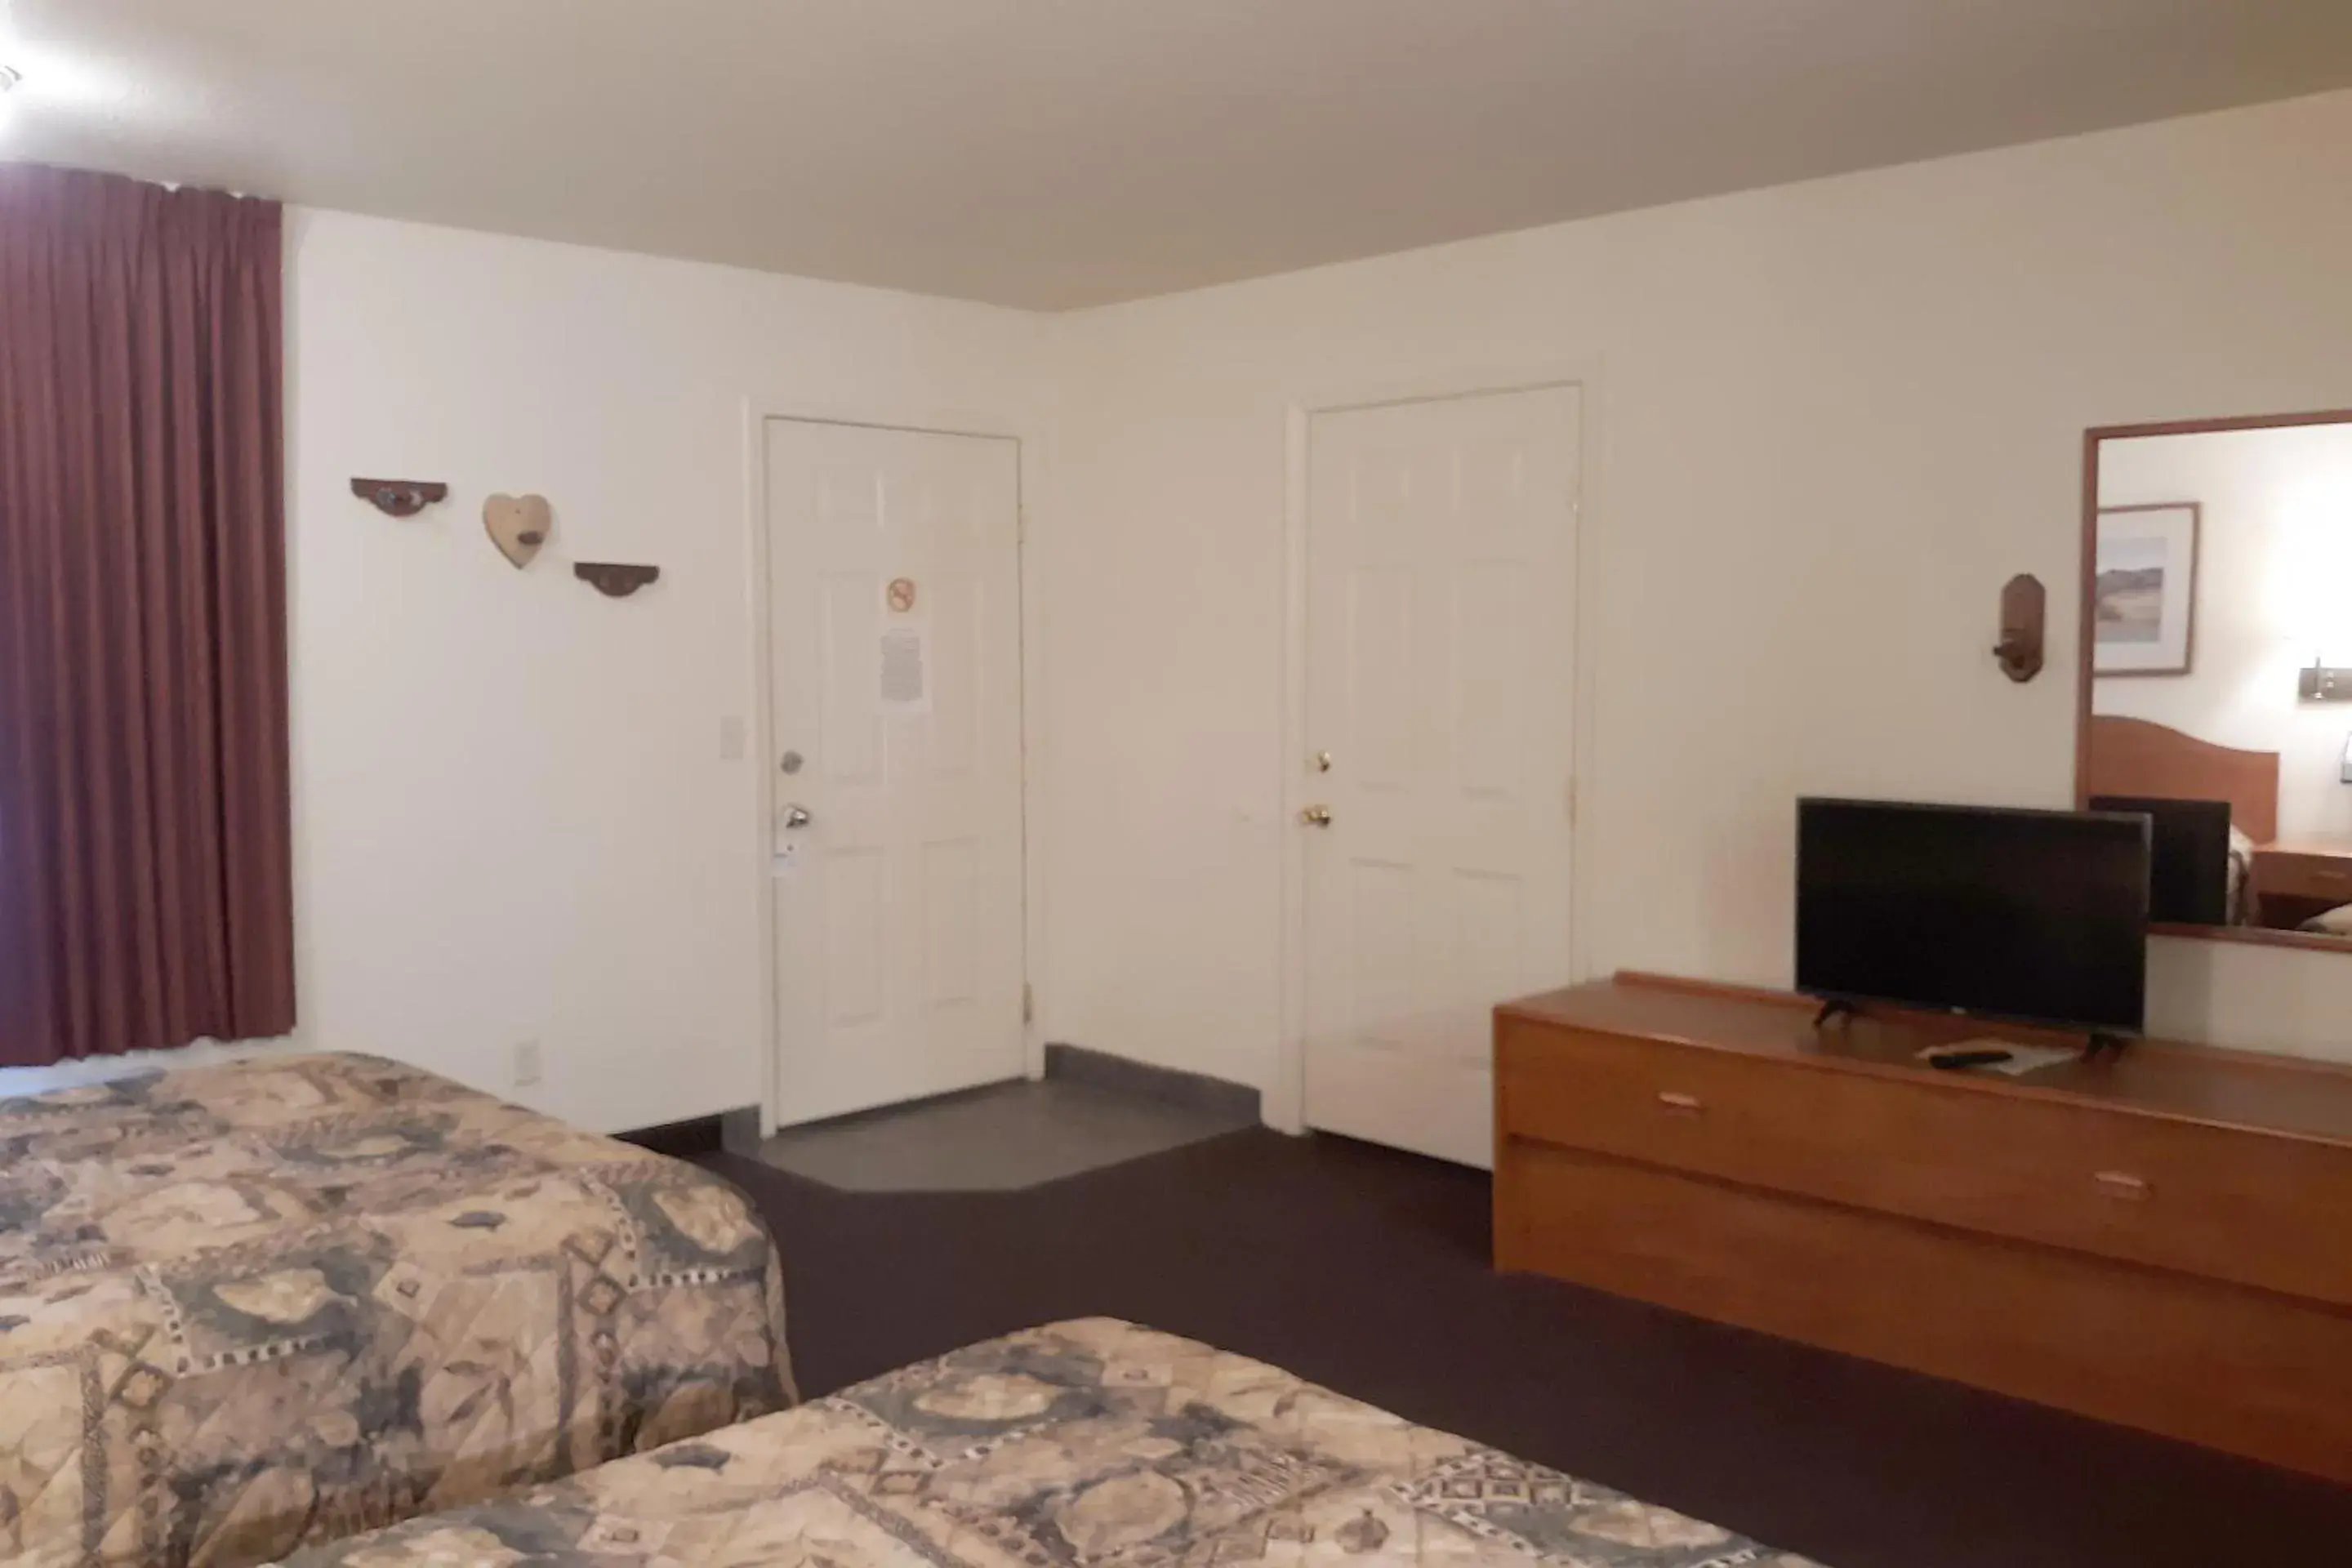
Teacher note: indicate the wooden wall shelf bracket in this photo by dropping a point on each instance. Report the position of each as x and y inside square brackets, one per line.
[614, 579]
[400, 498]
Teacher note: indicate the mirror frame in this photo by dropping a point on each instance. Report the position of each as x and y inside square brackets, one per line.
[2093, 439]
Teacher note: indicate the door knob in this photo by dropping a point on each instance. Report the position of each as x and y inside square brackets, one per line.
[797, 817]
[1316, 816]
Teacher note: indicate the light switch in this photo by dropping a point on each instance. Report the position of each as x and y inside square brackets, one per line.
[730, 739]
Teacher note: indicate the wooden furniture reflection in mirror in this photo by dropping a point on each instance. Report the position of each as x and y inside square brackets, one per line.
[2133, 757]
[2299, 881]
[2244, 528]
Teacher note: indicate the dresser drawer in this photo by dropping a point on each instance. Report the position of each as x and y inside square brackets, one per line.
[2259, 1210]
[2243, 1370]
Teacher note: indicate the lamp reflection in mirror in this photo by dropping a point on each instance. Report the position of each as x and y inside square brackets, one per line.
[2312, 587]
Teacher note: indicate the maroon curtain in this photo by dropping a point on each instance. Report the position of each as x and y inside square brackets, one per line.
[146, 857]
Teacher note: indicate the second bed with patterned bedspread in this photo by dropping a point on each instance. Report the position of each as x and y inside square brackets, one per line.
[1085, 1445]
[244, 1307]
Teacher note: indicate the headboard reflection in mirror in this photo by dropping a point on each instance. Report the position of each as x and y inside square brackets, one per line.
[2217, 660]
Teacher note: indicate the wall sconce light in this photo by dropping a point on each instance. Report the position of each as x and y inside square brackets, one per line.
[2317, 682]
[2023, 605]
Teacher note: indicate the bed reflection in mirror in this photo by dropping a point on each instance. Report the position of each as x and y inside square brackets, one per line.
[2217, 632]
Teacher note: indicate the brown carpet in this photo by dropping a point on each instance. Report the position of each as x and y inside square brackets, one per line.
[1366, 1270]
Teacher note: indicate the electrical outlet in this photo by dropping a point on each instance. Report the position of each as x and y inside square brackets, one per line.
[526, 1063]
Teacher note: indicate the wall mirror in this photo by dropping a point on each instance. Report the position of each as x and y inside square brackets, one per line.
[2217, 667]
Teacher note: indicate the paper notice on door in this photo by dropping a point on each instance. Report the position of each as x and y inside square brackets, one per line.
[906, 670]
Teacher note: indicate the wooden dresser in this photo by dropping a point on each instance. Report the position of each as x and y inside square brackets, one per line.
[2162, 1240]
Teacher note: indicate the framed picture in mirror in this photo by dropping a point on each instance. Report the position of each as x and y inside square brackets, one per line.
[2144, 590]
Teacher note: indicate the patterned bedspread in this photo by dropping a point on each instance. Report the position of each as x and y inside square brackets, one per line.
[248, 1307]
[1087, 1445]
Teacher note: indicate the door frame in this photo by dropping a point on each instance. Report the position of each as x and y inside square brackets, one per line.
[1285, 1099]
[758, 413]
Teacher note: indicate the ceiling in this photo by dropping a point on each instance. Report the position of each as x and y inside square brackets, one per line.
[1055, 153]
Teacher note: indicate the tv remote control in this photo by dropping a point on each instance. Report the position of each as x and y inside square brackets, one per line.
[1956, 1061]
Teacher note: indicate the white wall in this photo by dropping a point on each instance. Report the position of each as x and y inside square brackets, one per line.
[2273, 587]
[1828, 421]
[512, 817]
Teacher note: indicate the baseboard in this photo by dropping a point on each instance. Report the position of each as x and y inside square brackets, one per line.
[1078, 1065]
[733, 1131]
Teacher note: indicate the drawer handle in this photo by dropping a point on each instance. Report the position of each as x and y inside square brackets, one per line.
[1681, 1104]
[2122, 1184]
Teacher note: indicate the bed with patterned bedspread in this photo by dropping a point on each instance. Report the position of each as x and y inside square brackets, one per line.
[248, 1307]
[1085, 1445]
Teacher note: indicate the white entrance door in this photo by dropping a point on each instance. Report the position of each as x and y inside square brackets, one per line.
[895, 639]
[1440, 680]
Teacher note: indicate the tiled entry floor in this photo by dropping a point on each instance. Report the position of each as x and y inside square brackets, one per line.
[998, 1138]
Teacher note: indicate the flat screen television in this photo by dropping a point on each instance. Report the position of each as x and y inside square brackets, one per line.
[2032, 916]
[2188, 878]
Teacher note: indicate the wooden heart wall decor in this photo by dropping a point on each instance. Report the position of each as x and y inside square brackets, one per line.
[518, 525]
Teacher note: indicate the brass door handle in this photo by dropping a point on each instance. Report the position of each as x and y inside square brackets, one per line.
[1316, 816]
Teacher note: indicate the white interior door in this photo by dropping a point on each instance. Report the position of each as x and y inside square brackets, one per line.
[1440, 682]
[895, 638]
